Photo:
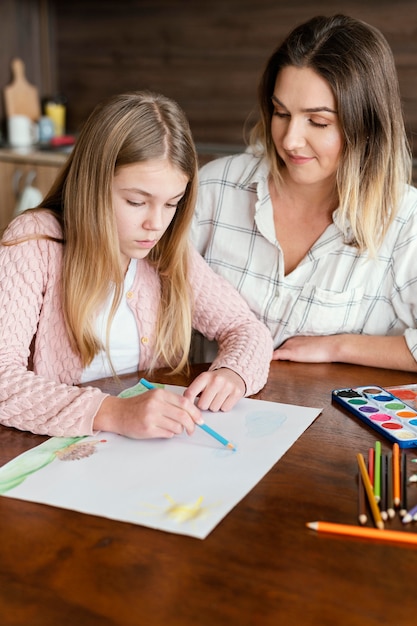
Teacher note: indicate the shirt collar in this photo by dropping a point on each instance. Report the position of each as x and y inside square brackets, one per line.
[256, 171]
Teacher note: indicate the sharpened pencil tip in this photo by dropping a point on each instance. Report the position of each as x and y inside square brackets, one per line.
[231, 447]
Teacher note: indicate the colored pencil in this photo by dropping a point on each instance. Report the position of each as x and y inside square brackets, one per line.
[204, 427]
[377, 471]
[379, 523]
[396, 482]
[147, 384]
[390, 498]
[216, 435]
[396, 536]
[410, 515]
[362, 516]
[384, 477]
[371, 465]
[404, 482]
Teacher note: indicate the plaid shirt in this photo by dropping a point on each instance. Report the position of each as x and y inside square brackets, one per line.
[333, 290]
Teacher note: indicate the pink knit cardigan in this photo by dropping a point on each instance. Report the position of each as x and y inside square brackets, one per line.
[47, 399]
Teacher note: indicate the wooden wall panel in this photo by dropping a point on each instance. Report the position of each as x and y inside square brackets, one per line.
[207, 54]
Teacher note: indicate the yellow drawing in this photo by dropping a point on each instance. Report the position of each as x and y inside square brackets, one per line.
[185, 512]
[180, 512]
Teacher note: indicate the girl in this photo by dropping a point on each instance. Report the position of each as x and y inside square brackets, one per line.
[100, 280]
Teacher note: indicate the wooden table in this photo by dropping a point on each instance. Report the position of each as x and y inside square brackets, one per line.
[260, 566]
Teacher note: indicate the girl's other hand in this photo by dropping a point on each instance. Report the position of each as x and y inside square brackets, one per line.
[216, 390]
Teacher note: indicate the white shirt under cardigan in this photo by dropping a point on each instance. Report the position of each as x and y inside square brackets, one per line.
[334, 289]
[123, 339]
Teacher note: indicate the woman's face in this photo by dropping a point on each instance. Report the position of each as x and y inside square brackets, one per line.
[305, 126]
[145, 198]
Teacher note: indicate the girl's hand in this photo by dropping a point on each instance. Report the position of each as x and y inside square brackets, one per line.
[217, 390]
[156, 413]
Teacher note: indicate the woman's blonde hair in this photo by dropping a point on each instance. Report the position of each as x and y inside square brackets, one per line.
[357, 63]
[126, 129]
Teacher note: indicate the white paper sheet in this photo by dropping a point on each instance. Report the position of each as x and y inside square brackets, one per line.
[182, 485]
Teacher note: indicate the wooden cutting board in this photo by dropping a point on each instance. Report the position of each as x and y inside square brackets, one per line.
[20, 97]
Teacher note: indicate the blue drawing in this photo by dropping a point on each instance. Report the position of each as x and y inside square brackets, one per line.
[263, 423]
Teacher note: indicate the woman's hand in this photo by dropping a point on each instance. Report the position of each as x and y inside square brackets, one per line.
[367, 350]
[307, 349]
[216, 390]
[156, 413]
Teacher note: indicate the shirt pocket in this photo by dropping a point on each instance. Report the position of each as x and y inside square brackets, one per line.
[324, 312]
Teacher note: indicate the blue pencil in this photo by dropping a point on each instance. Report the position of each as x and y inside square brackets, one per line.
[204, 427]
[213, 433]
[147, 384]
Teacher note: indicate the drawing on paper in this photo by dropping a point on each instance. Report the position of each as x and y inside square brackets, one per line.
[62, 448]
[78, 450]
[182, 485]
[263, 423]
[180, 512]
[185, 512]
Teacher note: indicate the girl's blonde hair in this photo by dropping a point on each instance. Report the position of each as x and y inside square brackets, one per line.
[357, 62]
[126, 129]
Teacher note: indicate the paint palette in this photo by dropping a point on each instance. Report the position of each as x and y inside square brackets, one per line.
[382, 411]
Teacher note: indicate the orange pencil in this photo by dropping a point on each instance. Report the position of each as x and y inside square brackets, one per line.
[396, 481]
[376, 513]
[397, 536]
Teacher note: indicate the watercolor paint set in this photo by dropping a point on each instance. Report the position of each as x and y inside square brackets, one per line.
[383, 411]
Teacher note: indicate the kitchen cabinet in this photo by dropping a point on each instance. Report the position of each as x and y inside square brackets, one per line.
[25, 167]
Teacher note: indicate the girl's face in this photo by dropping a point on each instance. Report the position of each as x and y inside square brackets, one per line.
[145, 198]
[305, 126]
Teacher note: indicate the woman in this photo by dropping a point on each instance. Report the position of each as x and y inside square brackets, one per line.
[101, 280]
[316, 224]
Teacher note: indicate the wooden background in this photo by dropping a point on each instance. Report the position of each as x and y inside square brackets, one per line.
[207, 54]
